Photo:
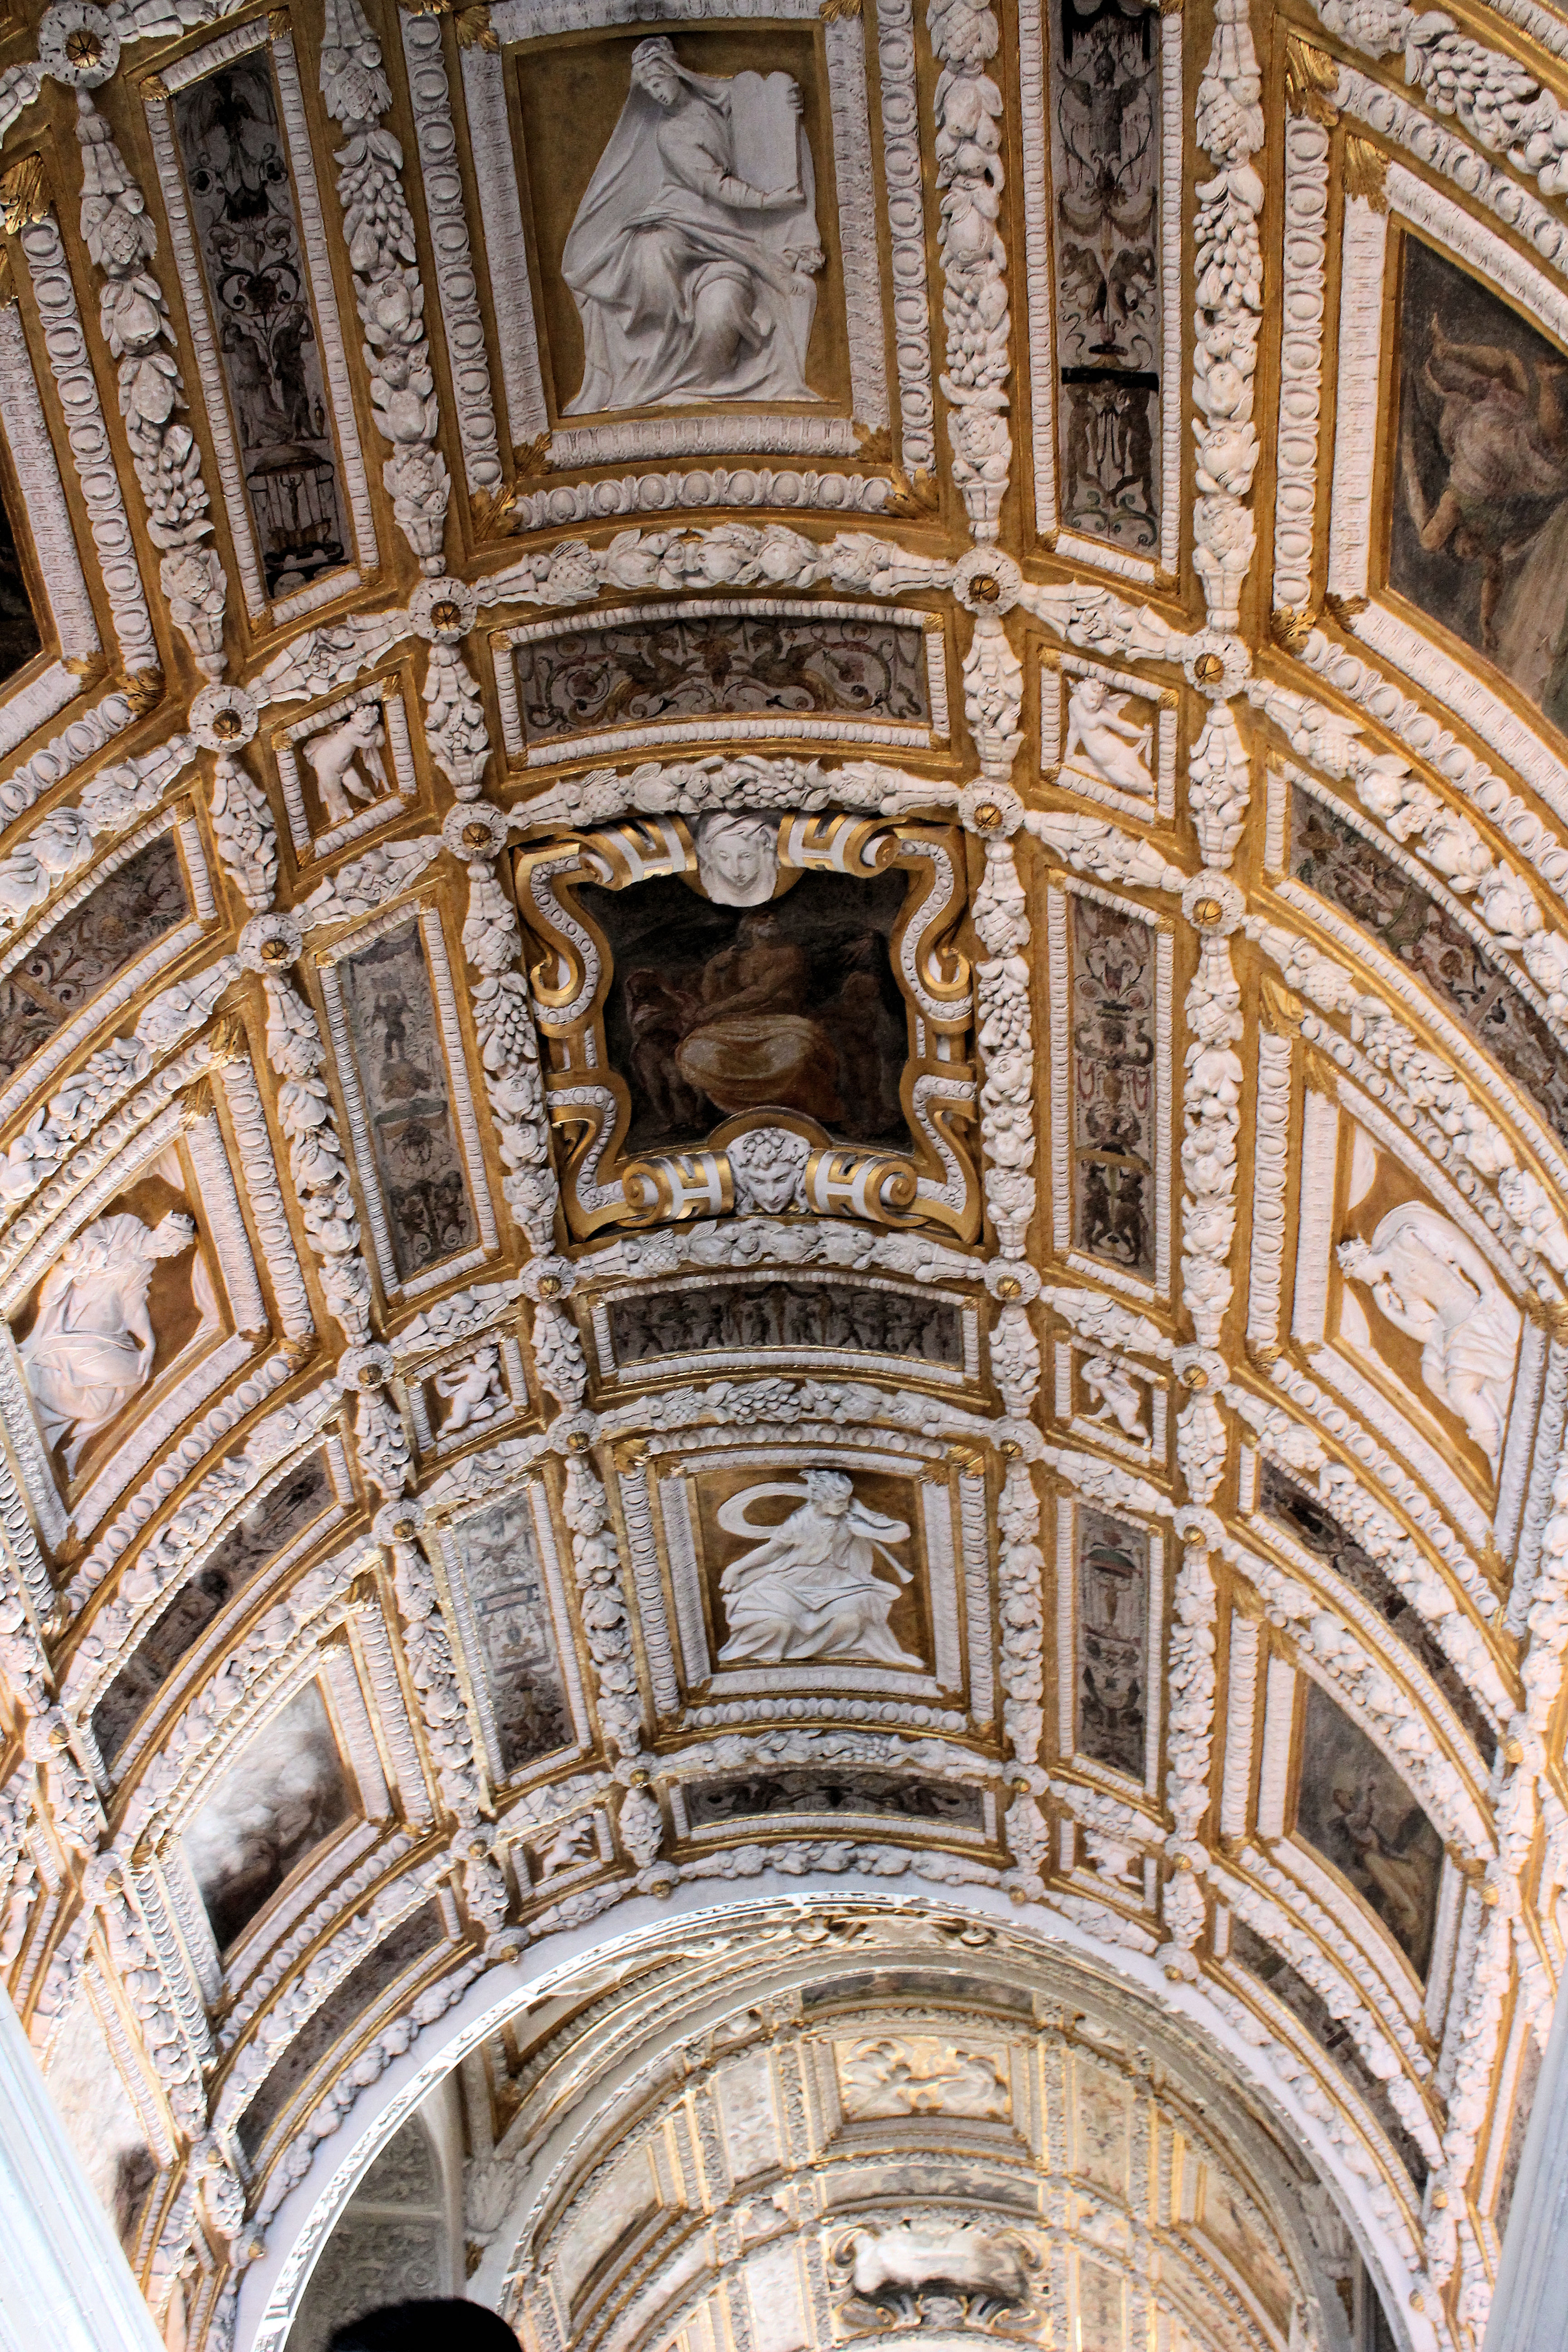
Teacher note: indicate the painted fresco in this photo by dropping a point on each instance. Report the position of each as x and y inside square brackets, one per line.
[1321, 1532]
[408, 1099]
[747, 665]
[1105, 155]
[786, 1791]
[516, 1642]
[1525, 2085]
[787, 1315]
[1480, 538]
[1331, 2034]
[1114, 1107]
[242, 210]
[1353, 1806]
[1332, 857]
[793, 1005]
[1113, 1638]
[285, 1793]
[265, 1530]
[90, 947]
[20, 637]
[420, 1933]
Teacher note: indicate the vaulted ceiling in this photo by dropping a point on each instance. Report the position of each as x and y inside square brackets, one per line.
[784, 1153]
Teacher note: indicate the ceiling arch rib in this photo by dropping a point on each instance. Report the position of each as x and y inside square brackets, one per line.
[777, 1111]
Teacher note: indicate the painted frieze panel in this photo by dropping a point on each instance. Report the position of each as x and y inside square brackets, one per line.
[1355, 1811]
[285, 1793]
[1314, 1527]
[1115, 1094]
[785, 1789]
[246, 230]
[1330, 854]
[45, 985]
[1479, 541]
[504, 1610]
[412, 1939]
[390, 1001]
[1331, 2034]
[1105, 110]
[647, 1325]
[717, 671]
[1112, 1579]
[270, 1526]
[755, 1013]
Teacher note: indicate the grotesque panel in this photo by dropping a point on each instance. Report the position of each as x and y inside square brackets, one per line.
[1105, 158]
[1315, 1527]
[776, 1007]
[391, 1011]
[247, 235]
[286, 1792]
[790, 1790]
[1113, 1632]
[1114, 1106]
[115, 923]
[1353, 1806]
[1331, 2034]
[513, 1640]
[592, 682]
[264, 1530]
[1335, 857]
[1480, 530]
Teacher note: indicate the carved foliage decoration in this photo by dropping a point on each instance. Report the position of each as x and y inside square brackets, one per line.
[769, 1041]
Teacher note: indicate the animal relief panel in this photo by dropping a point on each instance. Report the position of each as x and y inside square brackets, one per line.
[680, 250]
[1353, 1806]
[1479, 480]
[247, 235]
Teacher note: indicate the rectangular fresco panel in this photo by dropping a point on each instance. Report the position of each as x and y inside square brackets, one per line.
[584, 681]
[516, 1642]
[1316, 1527]
[1479, 536]
[1114, 1107]
[1332, 857]
[285, 1793]
[90, 947]
[1353, 1807]
[265, 1530]
[414, 1936]
[716, 1010]
[1114, 1639]
[20, 637]
[1331, 2034]
[1105, 169]
[787, 1315]
[407, 1095]
[246, 232]
[785, 1791]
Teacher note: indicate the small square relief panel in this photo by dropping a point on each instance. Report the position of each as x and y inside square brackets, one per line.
[347, 769]
[1113, 1400]
[922, 2074]
[1105, 735]
[468, 1394]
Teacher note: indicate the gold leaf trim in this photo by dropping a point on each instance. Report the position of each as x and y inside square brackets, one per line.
[831, 11]
[1310, 78]
[912, 494]
[24, 195]
[532, 460]
[143, 690]
[1366, 173]
[1290, 626]
[1346, 610]
[1283, 1011]
[475, 31]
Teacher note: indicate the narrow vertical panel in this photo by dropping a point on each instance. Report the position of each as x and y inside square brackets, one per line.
[1115, 1098]
[1112, 1581]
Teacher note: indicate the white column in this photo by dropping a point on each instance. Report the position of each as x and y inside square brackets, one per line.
[1530, 2308]
[65, 2285]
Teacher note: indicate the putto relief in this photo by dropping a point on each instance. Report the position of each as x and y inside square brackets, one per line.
[680, 255]
[755, 1014]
